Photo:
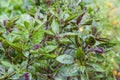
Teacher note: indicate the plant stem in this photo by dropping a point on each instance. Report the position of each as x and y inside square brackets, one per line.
[6, 76]
[28, 62]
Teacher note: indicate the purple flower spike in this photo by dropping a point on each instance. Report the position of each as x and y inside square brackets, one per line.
[37, 46]
[57, 37]
[4, 22]
[39, 17]
[26, 75]
[58, 11]
[27, 8]
[47, 23]
[99, 50]
[62, 21]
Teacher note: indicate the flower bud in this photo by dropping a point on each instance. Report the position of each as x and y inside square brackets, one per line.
[26, 76]
[38, 17]
[4, 22]
[99, 50]
[57, 37]
[37, 46]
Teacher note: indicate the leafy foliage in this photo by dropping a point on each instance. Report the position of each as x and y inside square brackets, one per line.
[53, 40]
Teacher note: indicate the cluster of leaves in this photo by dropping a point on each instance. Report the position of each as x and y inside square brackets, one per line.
[52, 40]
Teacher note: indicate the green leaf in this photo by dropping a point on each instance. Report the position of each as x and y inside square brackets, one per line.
[5, 63]
[38, 36]
[16, 46]
[69, 70]
[50, 48]
[71, 34]
[59, 78]
[41, 64]
[108, 44]
[2, 30]
[55, 26]
[89, 22]
[97, 67]
[24, 17]
[46, 56]
[82, 68]
[71, 18]
[64, 40]
[80, 55]
[11, 69]
[65, 59]
[90, 40]
[27, 24]
[49, 32]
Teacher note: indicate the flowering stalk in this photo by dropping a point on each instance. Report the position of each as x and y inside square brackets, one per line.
[26, 76]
